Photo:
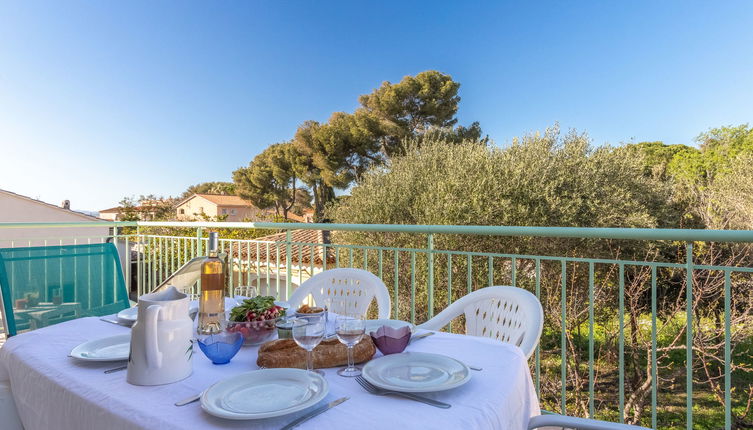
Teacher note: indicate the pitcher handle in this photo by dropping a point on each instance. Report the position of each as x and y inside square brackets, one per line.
[153, 354]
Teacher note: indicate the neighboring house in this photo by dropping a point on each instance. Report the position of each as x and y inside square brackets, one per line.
[308, 216]
[234, 208]
[146, 211]
[17, 208]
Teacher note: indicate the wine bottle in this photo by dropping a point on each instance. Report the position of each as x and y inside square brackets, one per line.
[212, 301]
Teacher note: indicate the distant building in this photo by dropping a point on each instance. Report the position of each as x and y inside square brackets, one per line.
[146, 211]
[307, 216]
[17, 208]
[197, 206]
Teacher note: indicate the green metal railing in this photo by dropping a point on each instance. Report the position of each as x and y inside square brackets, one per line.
[413, 273]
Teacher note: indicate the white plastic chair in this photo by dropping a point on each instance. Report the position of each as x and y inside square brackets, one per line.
[510, 314]
[350, 290]
[565, 422]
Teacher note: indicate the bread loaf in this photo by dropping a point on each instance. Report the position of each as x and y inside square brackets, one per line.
[329, 353]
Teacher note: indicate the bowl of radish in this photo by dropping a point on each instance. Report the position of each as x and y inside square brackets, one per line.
[255, 319]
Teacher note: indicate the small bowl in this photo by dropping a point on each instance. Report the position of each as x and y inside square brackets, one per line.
[253, 332]
[285, 328]
[318, 313]
[221, 347]
[390, 340]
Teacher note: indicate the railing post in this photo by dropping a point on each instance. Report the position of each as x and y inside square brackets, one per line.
[125, 259]
[199, 235]
[430, 258]
[139, 262]
[199, 245]
[727, 351]
[689, 334]
[288, 262]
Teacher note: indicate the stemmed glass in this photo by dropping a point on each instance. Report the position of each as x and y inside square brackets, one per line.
[327, 307]
[350, 330]
[307, 333]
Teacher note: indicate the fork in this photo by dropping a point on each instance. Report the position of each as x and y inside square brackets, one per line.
[381, 392]
[196, 397]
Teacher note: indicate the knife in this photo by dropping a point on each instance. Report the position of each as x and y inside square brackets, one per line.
[314, 413]
[420, 336]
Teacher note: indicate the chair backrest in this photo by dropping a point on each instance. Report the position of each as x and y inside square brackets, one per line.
[45, 285]
[510, 314]
[350, 291]
[555, 421]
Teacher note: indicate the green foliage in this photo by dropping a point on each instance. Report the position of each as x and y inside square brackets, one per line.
[729, 198]
[694, 174]
[547, 180]
[257, 306]
[129, 213]
[269, 180]
[215, 187]
[415, 106]
[332, 155]
[720, 146]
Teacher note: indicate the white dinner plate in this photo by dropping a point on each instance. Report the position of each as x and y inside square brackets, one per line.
[416, 372]
[112, 348]
[129, 316]
[373, 325]
[264, 393]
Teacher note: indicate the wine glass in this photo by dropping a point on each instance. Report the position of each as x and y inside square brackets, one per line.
[307, 333]
[350, 330]
[327, 307]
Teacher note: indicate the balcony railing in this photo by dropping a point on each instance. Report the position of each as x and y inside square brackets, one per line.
[625, 338]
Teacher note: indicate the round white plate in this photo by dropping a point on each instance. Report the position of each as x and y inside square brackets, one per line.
[113, 348]
[416, 372]
[264, 393]
[129, 316]
[373, 325]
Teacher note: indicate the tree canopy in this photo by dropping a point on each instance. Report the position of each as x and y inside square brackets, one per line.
[702, 176]
[269, 181]
[545, 179]
[215, 187]
[332, 155]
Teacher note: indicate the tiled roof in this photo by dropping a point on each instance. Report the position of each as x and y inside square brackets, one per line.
[302, 240]
[223, 200]
[297, 218]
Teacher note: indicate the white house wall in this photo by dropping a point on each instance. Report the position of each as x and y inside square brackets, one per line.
[19, 209]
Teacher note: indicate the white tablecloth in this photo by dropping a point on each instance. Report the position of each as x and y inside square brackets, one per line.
[54, 391]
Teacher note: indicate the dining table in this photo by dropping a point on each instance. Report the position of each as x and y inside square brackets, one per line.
[53, 390]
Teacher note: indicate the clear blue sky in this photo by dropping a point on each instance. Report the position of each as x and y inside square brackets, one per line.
[102, 99]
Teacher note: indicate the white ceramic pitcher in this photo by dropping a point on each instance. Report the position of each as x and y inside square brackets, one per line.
[161, 340]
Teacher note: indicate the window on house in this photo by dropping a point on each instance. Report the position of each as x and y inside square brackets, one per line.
[182, 211]
[201, 209]
[224, 212]
[232, 211]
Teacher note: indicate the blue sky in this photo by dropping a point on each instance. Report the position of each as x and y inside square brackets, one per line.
[99, 100]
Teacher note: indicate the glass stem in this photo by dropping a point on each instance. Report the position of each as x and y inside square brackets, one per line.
[309, 360]
[350, 357]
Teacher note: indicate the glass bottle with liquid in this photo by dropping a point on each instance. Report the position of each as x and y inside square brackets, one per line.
[212, 301]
